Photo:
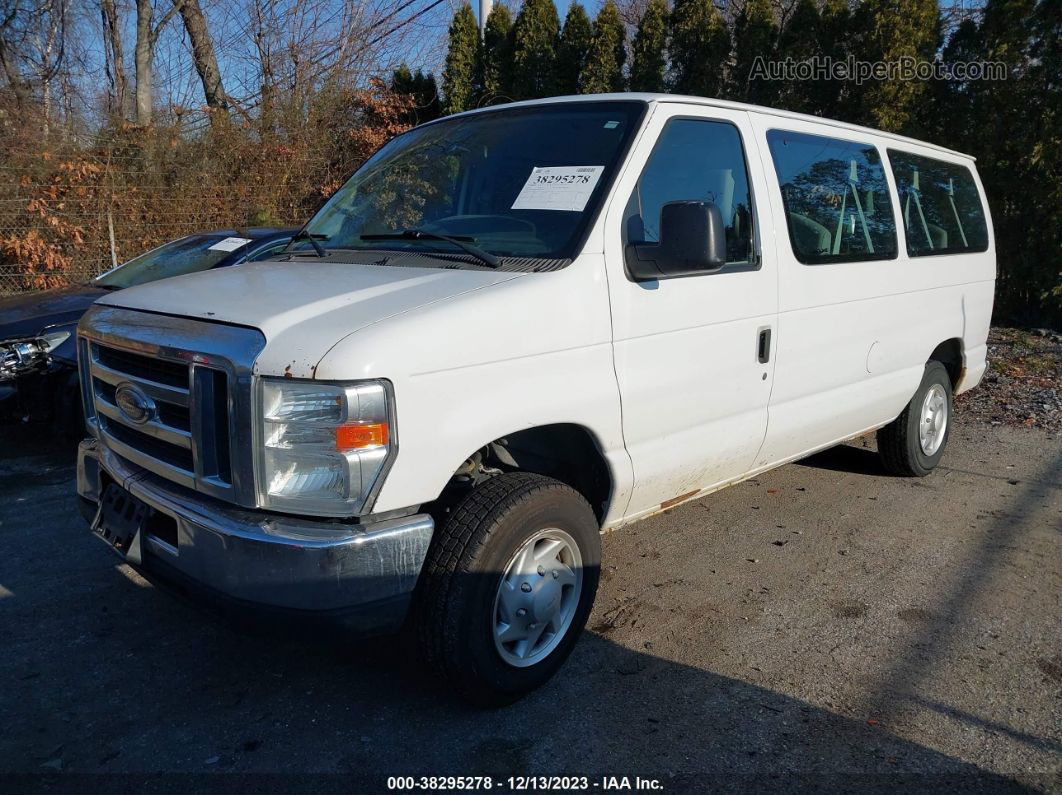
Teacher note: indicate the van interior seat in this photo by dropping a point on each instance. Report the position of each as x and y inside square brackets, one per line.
[810, 236]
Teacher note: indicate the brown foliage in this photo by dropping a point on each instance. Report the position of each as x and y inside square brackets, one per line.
[51, 232]
[155, 184]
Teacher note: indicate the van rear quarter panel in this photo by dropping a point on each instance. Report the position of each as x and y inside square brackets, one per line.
[853, 338]
[533, 351]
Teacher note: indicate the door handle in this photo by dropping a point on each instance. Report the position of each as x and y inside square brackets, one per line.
[763, 348]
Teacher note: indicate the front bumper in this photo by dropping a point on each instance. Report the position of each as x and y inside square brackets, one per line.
[362, 578]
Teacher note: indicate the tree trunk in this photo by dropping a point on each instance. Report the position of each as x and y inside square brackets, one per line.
[114, 54]
[145, 55]
[263, 41]
[48, 67]
[14, 79]
[9, 61]
[206, 62]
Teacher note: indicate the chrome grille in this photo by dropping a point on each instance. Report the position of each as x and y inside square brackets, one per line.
[162, 444]
[192, 380]
[145, 367]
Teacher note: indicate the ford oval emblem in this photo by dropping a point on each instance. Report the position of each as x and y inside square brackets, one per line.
[135, 406]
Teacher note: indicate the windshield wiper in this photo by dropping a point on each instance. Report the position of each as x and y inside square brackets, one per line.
[301, 235]
[462, 242]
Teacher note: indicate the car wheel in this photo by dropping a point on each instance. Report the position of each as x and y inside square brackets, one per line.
[913, 444]
[508, 585]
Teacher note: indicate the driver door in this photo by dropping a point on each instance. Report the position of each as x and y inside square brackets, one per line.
[694, 355]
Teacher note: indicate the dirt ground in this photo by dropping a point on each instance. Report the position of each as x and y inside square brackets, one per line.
[823, 625]
[1023, 383]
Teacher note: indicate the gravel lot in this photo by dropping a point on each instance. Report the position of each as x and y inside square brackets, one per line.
[1023, 383]
[822, 625]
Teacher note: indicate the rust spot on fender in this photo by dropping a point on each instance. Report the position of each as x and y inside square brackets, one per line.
[676, 500]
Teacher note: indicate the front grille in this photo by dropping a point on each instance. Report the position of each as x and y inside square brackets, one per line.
[171, 414]
[186, 386]
[185, 436]
[144, 367]
[177, 457]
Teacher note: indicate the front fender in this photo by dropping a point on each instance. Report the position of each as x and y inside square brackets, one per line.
[529, 352]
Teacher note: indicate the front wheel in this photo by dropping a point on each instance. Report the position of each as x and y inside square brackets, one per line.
[913, 444]
[508, 585]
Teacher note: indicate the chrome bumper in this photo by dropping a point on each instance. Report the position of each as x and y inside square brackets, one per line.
[267, 560]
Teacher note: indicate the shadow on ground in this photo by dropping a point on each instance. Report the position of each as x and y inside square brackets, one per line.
[847, 458]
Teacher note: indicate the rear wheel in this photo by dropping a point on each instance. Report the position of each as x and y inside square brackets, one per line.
[913, 444]
[508, 585]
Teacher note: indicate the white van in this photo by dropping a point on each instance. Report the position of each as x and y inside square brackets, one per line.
[513, 328]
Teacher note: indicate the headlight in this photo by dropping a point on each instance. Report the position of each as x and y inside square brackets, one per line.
[323, 447]
[53, 339]
[24, 356]
[18, 357]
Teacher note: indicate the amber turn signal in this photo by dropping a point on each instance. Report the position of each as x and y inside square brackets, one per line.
[358, 437]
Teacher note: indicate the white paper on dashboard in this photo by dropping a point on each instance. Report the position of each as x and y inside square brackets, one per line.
[558, 188]
[230, 244]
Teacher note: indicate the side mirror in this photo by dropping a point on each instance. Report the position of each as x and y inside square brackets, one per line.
[692, 241]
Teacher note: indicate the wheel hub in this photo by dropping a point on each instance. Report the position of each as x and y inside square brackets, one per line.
[545, 599]
[537, 597]
[933, 420]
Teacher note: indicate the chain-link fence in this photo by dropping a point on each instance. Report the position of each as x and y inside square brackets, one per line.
[13, 281]
[72, 208]
[16, 279]
[90, 246]
[69, 229]
[66, 218]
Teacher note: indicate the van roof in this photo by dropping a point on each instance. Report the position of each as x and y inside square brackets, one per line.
[720, 103]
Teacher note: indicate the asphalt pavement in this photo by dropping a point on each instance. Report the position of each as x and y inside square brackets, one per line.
[821, 626]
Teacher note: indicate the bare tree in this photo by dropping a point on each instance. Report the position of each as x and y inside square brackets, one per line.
[9, 53]
[32, 50]
[49, 38]
[114, 57]
[263, 14]
[203, 56]
[147, 36]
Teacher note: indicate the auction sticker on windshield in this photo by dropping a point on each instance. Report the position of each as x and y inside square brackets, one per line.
[230, 244]
[558, 188]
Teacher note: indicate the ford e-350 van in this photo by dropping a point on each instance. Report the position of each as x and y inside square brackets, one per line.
[513, 328]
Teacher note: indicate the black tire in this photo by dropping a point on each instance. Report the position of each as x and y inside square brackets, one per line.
[898, 442]
[463, 571]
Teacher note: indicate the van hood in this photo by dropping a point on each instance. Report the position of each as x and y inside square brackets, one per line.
[303, 308]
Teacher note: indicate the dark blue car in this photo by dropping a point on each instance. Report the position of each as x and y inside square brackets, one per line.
[38, 362]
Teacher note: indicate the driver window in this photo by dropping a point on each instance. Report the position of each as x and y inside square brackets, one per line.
[694, 160]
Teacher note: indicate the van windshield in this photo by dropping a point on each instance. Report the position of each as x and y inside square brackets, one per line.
[521, 182]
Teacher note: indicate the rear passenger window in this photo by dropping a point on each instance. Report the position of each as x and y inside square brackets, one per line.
[942, 213]
[694, 160]
[836, 198]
